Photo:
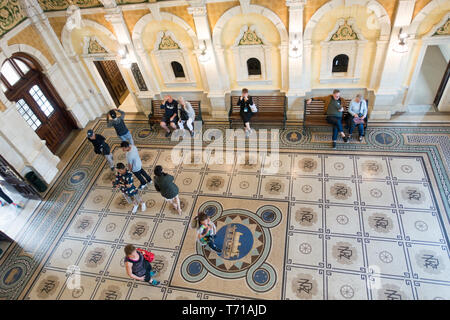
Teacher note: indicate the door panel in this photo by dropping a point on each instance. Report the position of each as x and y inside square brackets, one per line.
[110, 73]
[37, 101]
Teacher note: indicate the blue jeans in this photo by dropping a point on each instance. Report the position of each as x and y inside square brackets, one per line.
[353, 125]
[212, 245]
[336, 122]
[148, 269]
[127, 136]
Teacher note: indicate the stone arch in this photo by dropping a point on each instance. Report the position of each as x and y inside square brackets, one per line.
[66, 38]
[32, 52]
[142, 23]
[375, 6]
[420, 17]
[272, 16]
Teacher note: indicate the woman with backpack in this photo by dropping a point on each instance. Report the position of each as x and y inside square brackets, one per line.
[137, 265]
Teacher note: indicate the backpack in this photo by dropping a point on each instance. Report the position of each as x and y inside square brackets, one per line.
[149, 256]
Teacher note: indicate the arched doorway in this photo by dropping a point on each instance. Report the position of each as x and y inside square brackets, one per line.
[37, 101]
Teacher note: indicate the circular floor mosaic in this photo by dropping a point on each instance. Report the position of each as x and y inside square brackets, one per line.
[245, 240]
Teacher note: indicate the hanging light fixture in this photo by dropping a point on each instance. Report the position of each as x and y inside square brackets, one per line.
[203, 55]
[294, 50]
[401, 46]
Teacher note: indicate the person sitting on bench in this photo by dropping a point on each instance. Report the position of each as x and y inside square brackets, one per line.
[333, 107]
[186, 114]
[358, 112]
[170, 118]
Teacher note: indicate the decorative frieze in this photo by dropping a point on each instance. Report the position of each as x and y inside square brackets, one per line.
[250, 37]
[443, 30]
[167, 43]
[344, 32]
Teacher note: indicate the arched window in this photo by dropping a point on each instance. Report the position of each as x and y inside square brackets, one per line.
[254, 67]
[178, 70]
[36, 100]
[340, 63]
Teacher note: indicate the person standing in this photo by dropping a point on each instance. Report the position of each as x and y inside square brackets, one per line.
[245, 101]
[119, 125]
[334, 108]
[101, 147]
[206, 231]
[170, 118]
[169, 190]
[124, 181]
[358, 113]
[137, 266]
[135, 164]
[186, 114]
[8, 200]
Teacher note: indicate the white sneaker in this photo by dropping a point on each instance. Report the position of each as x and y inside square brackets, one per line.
[142, 186]
[143, 207]
[135, 209]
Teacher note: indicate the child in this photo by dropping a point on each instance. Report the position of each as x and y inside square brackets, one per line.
[124, 181]
[137, 267]
[206, 231]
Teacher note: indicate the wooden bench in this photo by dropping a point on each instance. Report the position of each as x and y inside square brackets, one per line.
[157, 113]
[271, 109]
[314, 113]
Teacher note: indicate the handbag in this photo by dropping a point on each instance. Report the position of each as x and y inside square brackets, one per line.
[358, 120]
[254, 108]
[149, 256]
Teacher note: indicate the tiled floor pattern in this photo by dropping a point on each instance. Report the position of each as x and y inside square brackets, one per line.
[322, 226]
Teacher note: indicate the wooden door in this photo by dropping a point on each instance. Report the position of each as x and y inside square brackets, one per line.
[13, 178]
[441, 89]
[36, 100]
[54, 123]
[110, 73]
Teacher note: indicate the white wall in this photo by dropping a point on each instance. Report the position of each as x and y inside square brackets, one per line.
[430, 77]
[445, 50]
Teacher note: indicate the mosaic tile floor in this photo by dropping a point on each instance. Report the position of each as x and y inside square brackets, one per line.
[367, 221]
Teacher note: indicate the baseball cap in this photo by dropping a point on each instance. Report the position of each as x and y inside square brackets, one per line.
[90, 133]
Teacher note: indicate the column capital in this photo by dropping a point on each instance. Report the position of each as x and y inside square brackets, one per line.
[295, 4]
[197, 11]
[109, 3]
[114, 15]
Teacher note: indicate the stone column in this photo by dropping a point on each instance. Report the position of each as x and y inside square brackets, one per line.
[211, 69]
[23, 148]
[296, 90]
[390, 94]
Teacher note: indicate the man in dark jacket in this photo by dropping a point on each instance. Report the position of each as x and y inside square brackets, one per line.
[334, 108]
[119, 125]
[170, 118]
[101, 147]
